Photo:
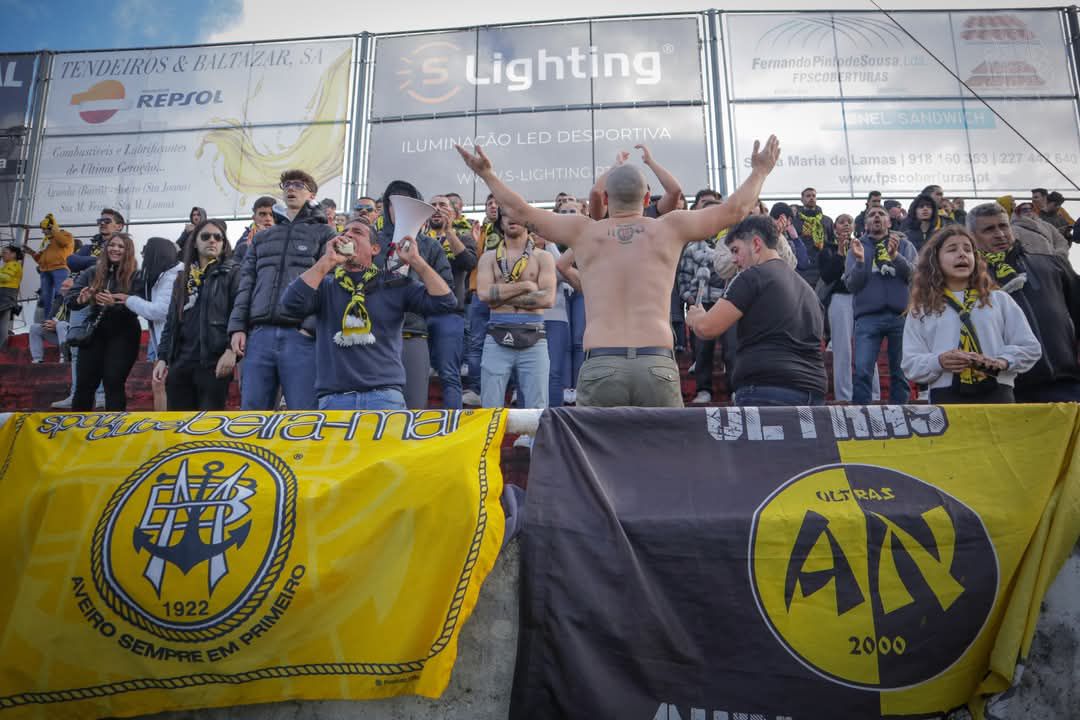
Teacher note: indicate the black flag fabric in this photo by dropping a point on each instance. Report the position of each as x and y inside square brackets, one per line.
[787, 563]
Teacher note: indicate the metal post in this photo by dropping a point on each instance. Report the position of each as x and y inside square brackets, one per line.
[359, 119]
[712, 29]
[1072, 23]
[26, 187]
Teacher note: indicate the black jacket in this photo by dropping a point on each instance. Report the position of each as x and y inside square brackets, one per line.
[1050, 300]
[831, 265]
[433, 254]
[214, 307]
[182, 241]
[282, 253]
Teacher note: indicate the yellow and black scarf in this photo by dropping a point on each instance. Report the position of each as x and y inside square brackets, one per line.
[444, 241]
[814, 226]
[492, 238]
[509, 274]
[1005, 275]
[355, 322]
[883, 262]
[194, 282]
[969, 379]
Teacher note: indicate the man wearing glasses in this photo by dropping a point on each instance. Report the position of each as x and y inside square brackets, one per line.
[365, 208]
[279, 348]
[110, 223]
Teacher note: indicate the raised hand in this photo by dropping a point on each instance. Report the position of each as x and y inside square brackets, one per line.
[858, 250]
[478, 162]
[764, 159]
[646, 156]
[621, 157]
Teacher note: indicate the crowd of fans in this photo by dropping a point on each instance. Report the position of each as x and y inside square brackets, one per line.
[326, 311]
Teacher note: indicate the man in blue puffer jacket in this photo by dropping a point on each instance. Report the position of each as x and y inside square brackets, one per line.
[279, 349]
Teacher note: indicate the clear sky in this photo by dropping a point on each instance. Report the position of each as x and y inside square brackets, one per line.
[90, 24]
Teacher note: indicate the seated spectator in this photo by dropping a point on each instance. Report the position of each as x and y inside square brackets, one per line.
[51, 261]
[150, 300]
[779, 319]
[195, 361]
[360, 312]
[11, 273]
[53, 329]
[963, 339]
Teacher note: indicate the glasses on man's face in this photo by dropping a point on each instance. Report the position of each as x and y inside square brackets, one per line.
[104, 221]
[294, 185]
[365, 208]
[206, 236]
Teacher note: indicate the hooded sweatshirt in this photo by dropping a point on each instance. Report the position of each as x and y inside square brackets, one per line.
[913, 227]
[181, 241]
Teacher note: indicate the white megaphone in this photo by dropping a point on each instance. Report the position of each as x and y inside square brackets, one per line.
[410, 215]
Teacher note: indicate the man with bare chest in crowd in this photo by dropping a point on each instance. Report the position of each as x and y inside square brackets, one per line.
[627, 263]
[518, 281]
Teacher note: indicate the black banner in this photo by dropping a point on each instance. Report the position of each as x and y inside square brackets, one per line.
[776, 563]
[16, 80]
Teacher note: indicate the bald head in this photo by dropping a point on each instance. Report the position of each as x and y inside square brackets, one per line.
[626, 189]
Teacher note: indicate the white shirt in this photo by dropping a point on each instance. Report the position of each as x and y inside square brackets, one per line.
[1002, 329]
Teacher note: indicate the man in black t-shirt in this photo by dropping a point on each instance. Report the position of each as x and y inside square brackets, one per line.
[780, 322]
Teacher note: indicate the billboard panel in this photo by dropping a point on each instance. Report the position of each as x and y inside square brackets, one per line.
[187, 88]
[422, 152]
[16, 81]
[1012, 53]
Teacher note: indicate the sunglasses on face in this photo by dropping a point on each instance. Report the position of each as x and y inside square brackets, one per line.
[365, 208]
[294, 185]
[104, 221]
[205, 236]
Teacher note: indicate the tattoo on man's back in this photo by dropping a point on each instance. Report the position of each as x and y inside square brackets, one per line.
[625, 233]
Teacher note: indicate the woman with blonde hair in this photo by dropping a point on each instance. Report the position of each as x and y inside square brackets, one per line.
[963, 338]
[109, 352]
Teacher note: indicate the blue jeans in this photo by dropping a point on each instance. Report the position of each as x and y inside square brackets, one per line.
[560, 358]
[476, 315]
[575, 309]
[380, 399]
[278, 356]
[50, 285]
[870, 330]
[532, 367]
[773, 396]
[446, 343]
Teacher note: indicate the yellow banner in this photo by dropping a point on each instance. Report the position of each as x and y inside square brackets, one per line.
[172, 561]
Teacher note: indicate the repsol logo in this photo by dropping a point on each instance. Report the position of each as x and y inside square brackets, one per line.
[179, 99]
[519, 74]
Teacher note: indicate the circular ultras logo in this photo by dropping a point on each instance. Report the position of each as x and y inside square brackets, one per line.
[192, 541]
[871, 578]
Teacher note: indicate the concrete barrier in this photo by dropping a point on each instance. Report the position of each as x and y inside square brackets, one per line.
[480, 688]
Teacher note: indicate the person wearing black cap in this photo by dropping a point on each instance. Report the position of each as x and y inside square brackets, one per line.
[415, 354]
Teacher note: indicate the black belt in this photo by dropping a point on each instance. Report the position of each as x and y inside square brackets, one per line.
[629, 352]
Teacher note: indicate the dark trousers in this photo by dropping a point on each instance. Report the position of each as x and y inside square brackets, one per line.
[195, 388]
[108, 360]
[1000, 395]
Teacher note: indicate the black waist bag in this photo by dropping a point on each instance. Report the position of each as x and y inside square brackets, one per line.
[517, 337]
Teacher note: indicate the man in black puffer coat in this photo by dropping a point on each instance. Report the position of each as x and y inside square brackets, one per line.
[279, 349]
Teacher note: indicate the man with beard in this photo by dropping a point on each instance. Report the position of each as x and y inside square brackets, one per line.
[446, 333]
[262, 217]
[878, 269]
[279, 348]
[360, 311]
[415, 349]
[815, 228]
[1048, 291]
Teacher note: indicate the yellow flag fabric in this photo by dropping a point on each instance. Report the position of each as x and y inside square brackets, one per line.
[171, 561]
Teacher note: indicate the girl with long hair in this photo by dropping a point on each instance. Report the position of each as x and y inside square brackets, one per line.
[194, 360]
[152, 294]
[112, 349]
[963, 338]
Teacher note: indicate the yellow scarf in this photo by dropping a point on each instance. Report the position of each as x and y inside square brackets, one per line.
[969, 341]
[512, 274]
[355, 322]
[815, 227]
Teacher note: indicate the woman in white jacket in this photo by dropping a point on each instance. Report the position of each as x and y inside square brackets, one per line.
[964, 340]
[153, 289]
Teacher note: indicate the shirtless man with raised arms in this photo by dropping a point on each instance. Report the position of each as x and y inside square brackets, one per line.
[627, 265]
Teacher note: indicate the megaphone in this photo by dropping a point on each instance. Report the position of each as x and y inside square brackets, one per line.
[410, 215]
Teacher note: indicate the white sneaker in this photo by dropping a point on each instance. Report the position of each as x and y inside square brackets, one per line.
[524, 441]
[692, 367]
[64, 404]
[470, 398]
[703, 397]
[513, 397]
[569, 396]
[38, 362]
[99, 401]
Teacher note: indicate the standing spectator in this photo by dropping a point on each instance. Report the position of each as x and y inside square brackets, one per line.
[11, 273]
[447, 331]
[109, 223]
[461, 224]
[262, 218]
[1048, 291]
[838, 302]
[873, 199]
[112, 349]
[698, 283]
[51, 261]
[519, 284]
[150, 299]
[195, 361]
[964, 340]
[477, 312]
[575, 308]
[329, 207]
[814, 228]
[660, 206]
[897, 215]
[922, 221]
[195, 218]
[779, 319]
[365, 208]
[1048, 205]
[557, 329]
[944, 214]
[281, 347]
[416, 353]
[783, 216]
[959, 214]
[361, 311]
[877, 272]
[1035, 234]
